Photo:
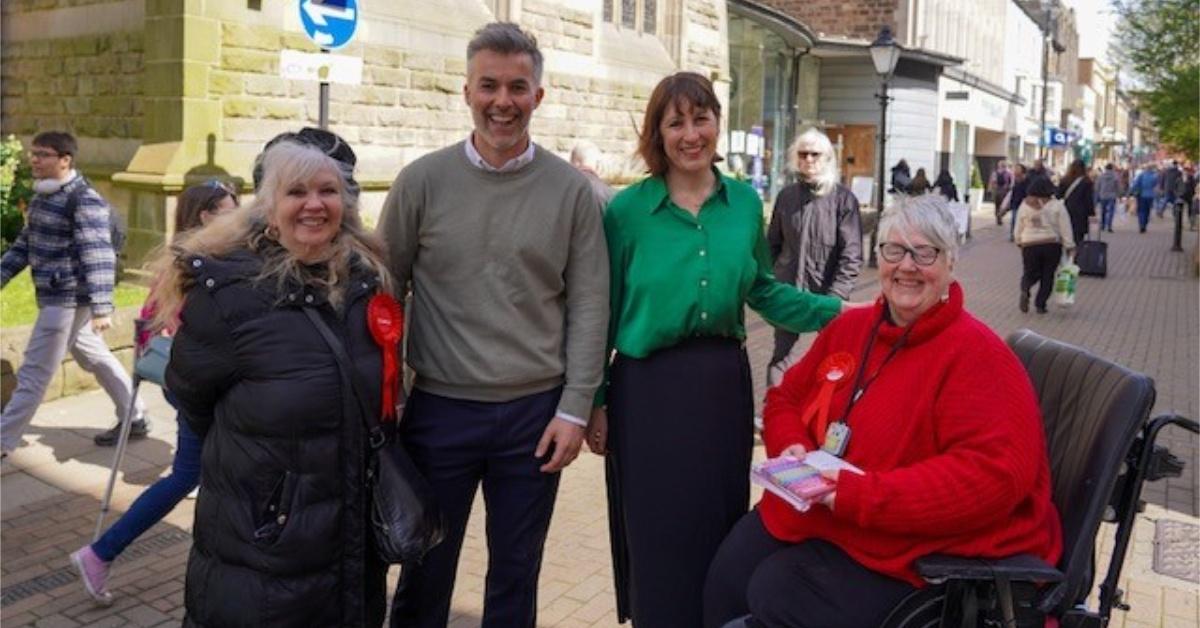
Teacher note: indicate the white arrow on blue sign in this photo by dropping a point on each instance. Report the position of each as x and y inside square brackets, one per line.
[330, 24]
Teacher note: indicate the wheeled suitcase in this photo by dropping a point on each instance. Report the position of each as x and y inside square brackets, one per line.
[1092, 256]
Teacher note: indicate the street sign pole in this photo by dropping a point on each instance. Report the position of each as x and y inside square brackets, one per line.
[330, 24]
[323, 100]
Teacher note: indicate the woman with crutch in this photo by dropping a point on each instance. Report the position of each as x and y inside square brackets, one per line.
[197, 206]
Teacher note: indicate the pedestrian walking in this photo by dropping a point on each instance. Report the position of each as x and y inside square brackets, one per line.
[281, 535]
[815, 235]
[920, 183]
[1043, 232]
[1000, 184]
[1017, 196]
[688, 254]
[901, 177]
[1168, 187]
[1108, 190]
[945, 186]
[67, 243]
[585, 156]
[196, 206]
[1143, 189]
[1077, 194]
[503, 244]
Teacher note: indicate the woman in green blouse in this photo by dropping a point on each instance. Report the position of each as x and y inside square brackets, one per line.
[688, 252]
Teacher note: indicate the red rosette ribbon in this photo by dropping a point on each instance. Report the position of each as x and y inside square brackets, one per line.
[385, 319]
[833, 372]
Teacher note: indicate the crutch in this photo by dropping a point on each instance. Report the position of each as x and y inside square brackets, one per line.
[139, 327]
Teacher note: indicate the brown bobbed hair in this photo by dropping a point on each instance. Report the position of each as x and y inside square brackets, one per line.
[679, 90]
[198, 199]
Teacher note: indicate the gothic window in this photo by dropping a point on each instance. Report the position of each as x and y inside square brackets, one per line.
[636, 15]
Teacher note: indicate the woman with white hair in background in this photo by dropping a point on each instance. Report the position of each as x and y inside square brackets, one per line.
[941, 418]
[815, 234]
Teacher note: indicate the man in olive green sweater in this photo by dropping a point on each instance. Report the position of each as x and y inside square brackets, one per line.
[503, 245]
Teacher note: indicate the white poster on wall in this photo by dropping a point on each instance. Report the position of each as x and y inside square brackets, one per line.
[737, 141]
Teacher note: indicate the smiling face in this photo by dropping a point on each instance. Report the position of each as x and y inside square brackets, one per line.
[308, 214]
[689, 137]
[502, 94]
[909, 288]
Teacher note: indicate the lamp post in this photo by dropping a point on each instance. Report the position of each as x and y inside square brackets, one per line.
[884, 55]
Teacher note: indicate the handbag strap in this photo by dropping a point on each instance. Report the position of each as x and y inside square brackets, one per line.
[357, 388]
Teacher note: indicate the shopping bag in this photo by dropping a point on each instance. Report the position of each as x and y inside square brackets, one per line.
[1065, 280]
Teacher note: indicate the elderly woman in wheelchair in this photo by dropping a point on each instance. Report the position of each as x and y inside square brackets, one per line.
[941, 419]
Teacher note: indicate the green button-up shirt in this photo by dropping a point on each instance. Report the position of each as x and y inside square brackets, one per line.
[675, 275]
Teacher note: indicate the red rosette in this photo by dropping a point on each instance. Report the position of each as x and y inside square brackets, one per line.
[385, 320]
[833, 372]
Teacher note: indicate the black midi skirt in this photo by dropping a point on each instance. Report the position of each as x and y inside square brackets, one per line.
[680, 440]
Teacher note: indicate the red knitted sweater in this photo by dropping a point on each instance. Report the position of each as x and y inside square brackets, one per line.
[949, 434]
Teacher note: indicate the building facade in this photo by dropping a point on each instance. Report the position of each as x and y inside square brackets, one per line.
[166, 93]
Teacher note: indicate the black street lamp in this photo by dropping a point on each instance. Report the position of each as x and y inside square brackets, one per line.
[885, 53]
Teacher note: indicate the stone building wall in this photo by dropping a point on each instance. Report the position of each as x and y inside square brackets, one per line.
[91, 85]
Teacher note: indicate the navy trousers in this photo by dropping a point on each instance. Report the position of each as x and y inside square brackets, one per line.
[457, 444]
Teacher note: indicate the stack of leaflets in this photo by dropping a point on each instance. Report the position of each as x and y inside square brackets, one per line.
[799, 482]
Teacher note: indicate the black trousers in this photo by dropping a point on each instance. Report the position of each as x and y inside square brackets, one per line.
[1039, 262]
[457, 444]
[813, 584]
[680, 433]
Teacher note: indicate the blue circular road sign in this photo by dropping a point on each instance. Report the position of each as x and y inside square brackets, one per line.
[329, 23]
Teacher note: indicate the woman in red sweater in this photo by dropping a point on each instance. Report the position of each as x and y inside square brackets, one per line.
[942, 420]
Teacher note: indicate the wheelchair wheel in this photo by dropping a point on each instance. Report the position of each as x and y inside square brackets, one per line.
[922, 609]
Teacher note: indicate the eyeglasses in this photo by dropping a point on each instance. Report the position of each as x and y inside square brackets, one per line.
[894, 253]
[44, 154]
[805, 154]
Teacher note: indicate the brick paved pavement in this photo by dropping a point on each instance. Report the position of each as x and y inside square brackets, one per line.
[1145, 314]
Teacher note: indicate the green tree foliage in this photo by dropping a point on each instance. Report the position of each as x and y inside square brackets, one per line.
[1159, 40]
[16, 188]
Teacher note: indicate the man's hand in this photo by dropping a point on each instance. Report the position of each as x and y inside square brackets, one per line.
[597, 431]
[566, 438]
[101, 323]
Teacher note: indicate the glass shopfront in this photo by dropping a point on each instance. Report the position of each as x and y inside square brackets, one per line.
[762, 104]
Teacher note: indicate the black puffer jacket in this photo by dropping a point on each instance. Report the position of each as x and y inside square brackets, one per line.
[280, 531]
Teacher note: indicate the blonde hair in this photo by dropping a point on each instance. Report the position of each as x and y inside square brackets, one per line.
[284, 164]
[827, 175]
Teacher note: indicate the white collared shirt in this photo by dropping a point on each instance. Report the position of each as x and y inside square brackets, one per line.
[516, 163]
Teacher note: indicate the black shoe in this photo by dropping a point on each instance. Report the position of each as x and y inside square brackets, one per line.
[1024, 304]
[139, 429]
[1042, 310]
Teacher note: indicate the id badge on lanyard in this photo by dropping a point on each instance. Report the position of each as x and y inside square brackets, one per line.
[836, 439]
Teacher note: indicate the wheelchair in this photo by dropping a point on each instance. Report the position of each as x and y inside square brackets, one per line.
[1101, 445]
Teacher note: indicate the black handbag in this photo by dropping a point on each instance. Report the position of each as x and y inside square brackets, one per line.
[404, 517]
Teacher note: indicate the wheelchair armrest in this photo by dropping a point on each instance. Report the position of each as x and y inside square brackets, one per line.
[938, 568]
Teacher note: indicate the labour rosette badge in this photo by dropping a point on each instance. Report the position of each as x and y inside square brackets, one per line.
[832, 373]
[385, 319]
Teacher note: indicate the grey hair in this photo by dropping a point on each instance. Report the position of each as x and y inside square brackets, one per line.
[926, 214]
[827, 175]
[507, 38]
[586, 154]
